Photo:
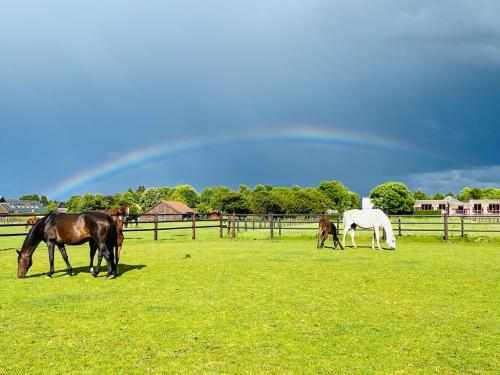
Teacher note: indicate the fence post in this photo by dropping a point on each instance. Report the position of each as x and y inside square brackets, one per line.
[462, 225]
[221, 226]
[233, 232]
[279, 228]
[271, 227]
[193, 226]
[445, 222]
[155, 234]
[399, 226]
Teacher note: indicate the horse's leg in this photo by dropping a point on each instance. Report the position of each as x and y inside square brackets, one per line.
[377, 236]
[344, 235]
[118, 248]
[352, 238]
[50, 246]
[108, 254]
[100, 254]
[373, 239]
[62, 249]
[93, 249]
[333, 240]
[318, 238]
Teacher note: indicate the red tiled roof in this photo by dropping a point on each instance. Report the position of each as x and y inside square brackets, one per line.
[179, 207]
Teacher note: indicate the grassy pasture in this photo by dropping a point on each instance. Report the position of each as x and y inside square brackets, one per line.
[256, 306]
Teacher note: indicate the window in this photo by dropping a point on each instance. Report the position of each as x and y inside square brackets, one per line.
[460, 209]
[442, 206]
[426, 206]
[478, 209]
[494, 208]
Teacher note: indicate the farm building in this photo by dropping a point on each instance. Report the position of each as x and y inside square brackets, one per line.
[455, 207]
[16, 206]
[169, 210]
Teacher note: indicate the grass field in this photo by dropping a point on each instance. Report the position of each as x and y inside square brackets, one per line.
[256, 306]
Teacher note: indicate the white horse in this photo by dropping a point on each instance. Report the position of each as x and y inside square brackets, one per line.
[366, 219]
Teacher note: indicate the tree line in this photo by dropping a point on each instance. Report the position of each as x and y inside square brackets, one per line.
[393, 197]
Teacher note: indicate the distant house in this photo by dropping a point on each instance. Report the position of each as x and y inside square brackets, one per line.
[17, 206]
[454, 207]
[169, 210]
[61, 207]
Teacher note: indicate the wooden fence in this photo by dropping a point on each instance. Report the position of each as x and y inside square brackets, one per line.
[230, 225]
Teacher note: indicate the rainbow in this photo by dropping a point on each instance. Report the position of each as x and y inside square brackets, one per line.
[141, 157]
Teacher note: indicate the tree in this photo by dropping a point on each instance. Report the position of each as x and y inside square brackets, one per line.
[341, 197]
[150, 198]
[44, 200]
[438, 196]
[491, 193]
[51, 206]
[213, 196]
[310, 201]
[260, 201]
[393, 196]
[91, 202]
[420, 195]
[74, 204]
[186, 194]
[30, 197]
[234, 202]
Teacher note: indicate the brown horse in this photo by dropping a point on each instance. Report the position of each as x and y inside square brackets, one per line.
[118, 215]
[325, 228]
[31, 220]
[69, 229]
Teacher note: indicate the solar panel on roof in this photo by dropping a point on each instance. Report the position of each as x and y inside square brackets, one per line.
[25, 206]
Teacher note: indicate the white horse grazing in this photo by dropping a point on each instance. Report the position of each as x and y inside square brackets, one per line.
[366, 219]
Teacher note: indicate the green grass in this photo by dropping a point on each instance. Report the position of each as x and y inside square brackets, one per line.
[255, 306]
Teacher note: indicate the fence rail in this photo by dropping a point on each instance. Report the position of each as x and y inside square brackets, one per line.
[444, 225]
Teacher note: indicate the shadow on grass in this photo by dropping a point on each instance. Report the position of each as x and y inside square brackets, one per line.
[10, 249]
[122, 268]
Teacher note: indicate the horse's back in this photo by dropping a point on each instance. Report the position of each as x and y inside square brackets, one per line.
[77, 228]
[364, 218]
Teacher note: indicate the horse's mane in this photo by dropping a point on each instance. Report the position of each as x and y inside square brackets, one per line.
[33, 230]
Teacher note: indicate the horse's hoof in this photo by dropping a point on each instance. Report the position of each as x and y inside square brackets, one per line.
[70, 273]
[49, 275]
[109, 277]
[91, 270]
[94, 274]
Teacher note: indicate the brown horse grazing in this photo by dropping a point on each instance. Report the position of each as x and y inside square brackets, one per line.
[118, 215]
[31, 220]
[69, 229]
[325, 228]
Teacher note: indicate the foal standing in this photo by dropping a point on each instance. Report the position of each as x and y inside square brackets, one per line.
[325, 228]
[118, 216]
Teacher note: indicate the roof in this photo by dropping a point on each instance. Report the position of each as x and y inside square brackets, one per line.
[452, 200]
[21, 206]
[180, 207]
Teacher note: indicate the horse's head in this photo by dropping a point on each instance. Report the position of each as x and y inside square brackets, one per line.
[391, 242]
[24, 262]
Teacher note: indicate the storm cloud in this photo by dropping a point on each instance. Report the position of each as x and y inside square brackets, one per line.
[85, 82]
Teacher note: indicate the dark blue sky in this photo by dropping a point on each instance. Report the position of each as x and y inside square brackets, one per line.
[85, 84]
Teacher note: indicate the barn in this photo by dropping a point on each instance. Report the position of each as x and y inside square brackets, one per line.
[169, 210]
[17, 206]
